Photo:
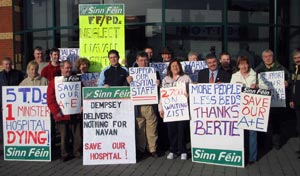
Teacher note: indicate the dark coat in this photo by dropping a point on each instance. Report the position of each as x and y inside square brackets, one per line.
[295, 89]
[276, 67]
[12, 78]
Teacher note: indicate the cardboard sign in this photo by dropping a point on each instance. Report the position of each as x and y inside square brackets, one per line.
[102, 28]
[254, 109]
[69, 54]
[174, 103]
[68, 94]
[274, 81]
[161, 67]
[108, 126]
[143, 88]
[215, 137]
[192, 68]
[90, 79]
[26, 123]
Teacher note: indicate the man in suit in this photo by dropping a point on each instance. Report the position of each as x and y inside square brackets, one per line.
[212, 74]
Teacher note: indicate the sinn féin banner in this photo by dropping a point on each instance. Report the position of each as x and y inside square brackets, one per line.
[215, 137]
[102, 28]
[26, 123]
[108, 126]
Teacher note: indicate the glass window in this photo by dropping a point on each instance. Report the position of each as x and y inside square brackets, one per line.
[201, 39]
[293, 43]
[194, 11]
[66, 13]
[288, 12]
[43, 39]
[248, 11]
[68, 38]
[38, 14]
[140, 36]
[248, 41]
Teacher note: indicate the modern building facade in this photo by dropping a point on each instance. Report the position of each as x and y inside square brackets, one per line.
[237, 26]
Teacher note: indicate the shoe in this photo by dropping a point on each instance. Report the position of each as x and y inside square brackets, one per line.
[171, 156]
[154, 155]
[183, 156]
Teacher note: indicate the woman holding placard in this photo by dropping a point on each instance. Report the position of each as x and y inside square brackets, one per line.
[247, 76]
[176, 130]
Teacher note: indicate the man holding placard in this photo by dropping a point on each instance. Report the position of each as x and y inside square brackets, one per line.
[8, 77]
[145, 114]
[64, 102]
[276, 113]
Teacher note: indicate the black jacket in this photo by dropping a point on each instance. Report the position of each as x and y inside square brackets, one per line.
[295, 88]
[116, 76]
[11, 78]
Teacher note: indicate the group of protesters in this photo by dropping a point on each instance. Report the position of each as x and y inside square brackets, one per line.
[152, 135]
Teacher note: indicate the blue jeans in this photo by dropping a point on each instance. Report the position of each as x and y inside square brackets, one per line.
[252, 145]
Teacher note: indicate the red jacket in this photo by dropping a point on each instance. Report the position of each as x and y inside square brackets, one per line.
[50, 71]
[52, 103]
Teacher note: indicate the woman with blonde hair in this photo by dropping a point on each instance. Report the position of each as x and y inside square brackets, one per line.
[33, 78]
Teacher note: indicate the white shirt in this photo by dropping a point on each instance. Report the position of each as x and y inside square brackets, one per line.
[247, 82]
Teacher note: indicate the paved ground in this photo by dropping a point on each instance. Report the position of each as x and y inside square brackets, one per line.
[283, 162]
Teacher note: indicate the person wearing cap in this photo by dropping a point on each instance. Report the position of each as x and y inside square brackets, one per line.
[166, 54]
